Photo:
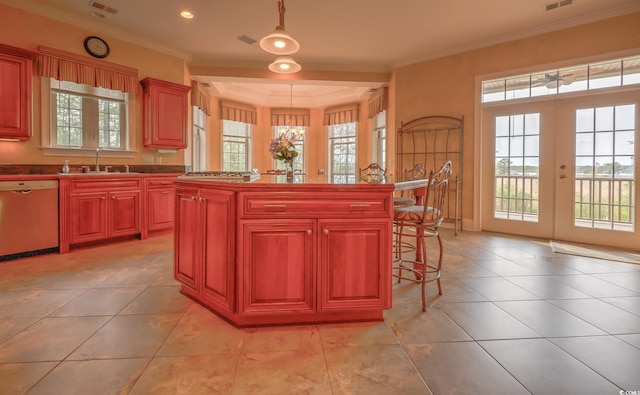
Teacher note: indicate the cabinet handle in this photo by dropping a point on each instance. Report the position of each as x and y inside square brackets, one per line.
[104, 198]
[193, 198]
[309, 231]
[360, 205]
[113, 197]
[165, 183]
[167, 192]
[274, 205]
[325, 231]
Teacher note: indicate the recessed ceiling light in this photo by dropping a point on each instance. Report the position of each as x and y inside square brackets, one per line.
[186, 14]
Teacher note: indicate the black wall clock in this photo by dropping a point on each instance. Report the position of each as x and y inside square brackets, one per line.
[96, 47]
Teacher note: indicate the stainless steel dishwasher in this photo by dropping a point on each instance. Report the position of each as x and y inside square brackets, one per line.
[28, 218]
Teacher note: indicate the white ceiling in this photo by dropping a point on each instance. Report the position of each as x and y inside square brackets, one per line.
[335, 35]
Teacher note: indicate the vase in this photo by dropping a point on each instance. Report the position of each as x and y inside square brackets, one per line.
[289, 167]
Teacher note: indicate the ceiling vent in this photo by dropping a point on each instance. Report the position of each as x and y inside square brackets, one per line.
[557, 4]
[102, 7]
[246, 39]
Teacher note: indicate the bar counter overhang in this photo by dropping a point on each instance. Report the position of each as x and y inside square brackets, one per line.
[272, 252]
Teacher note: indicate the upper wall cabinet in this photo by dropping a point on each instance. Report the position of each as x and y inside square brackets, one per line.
[165, 114]
[16, 75]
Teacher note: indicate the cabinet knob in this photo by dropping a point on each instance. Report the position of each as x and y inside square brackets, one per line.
[325, 231]
[309, 231]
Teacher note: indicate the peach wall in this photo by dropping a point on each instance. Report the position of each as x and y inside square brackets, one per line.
[21, 29]
[446, 86]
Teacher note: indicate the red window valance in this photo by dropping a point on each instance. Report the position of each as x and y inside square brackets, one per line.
[341, 114]
[378, 101]
[240, 112]
[200, 98]
[290, 116]
[67, 66]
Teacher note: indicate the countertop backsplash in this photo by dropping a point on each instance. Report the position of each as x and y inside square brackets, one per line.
[55, 169]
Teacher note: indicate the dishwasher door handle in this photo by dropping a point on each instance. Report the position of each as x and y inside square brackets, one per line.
[22, 192]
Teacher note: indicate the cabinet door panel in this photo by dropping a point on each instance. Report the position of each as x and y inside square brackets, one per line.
[88, 217]
[185, 247]
[161, 208]
[15, 96]
[278, 266]
[355, 264]
[125, 213]
[218, 244]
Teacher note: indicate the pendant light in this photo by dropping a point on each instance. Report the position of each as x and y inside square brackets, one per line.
[279, 42]
[285, 65]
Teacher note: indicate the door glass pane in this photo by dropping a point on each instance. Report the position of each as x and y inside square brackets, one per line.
[517, 161]
[604, 178]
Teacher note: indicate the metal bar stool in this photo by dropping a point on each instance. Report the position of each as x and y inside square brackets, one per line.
[422, 222]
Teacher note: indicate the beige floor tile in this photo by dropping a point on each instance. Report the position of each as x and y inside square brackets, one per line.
[200, 332]
[384, 369]
[98, 301]
[544, 368]
[287, 338]
[50, 339]
[128, 336]
[159, 300]
[17, 378]
[281, 372]
[192, 375]
[37, 302]
[413, 326]
[111, 376]
[462, 368]
[12, 326]
[356, 334]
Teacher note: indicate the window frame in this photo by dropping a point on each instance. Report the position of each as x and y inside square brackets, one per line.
[248, 144]
[349, 178]
[199, 156]
[49, 146]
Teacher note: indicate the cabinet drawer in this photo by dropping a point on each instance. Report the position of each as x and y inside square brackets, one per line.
[316, 205]
[105, 185]
[160, 182]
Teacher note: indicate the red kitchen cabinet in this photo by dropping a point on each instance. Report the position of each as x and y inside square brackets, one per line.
[160, 204]
[99, 208]
[165, 113]
[16, 75]
[204, 253]
[354, 257]
[278, 267]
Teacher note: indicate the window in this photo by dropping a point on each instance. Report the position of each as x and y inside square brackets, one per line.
[342, 151]
[199, 152]
[379, 138]
[604, 179]
[299, 163]
[236, 145]
[87, 117]
[517, 163]
[618, 72]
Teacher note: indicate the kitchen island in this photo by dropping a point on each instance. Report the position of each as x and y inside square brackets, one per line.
[268, 252]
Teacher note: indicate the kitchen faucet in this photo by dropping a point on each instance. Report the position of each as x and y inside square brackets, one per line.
[97, 160]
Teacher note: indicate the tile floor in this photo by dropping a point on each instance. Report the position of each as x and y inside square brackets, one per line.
[514, 318]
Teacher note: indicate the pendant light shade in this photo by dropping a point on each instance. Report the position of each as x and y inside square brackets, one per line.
[279, 42]
[285, 65]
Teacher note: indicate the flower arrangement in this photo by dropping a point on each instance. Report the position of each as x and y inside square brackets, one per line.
[283, 148]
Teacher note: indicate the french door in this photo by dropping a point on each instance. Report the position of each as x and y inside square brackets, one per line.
[563, 169]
